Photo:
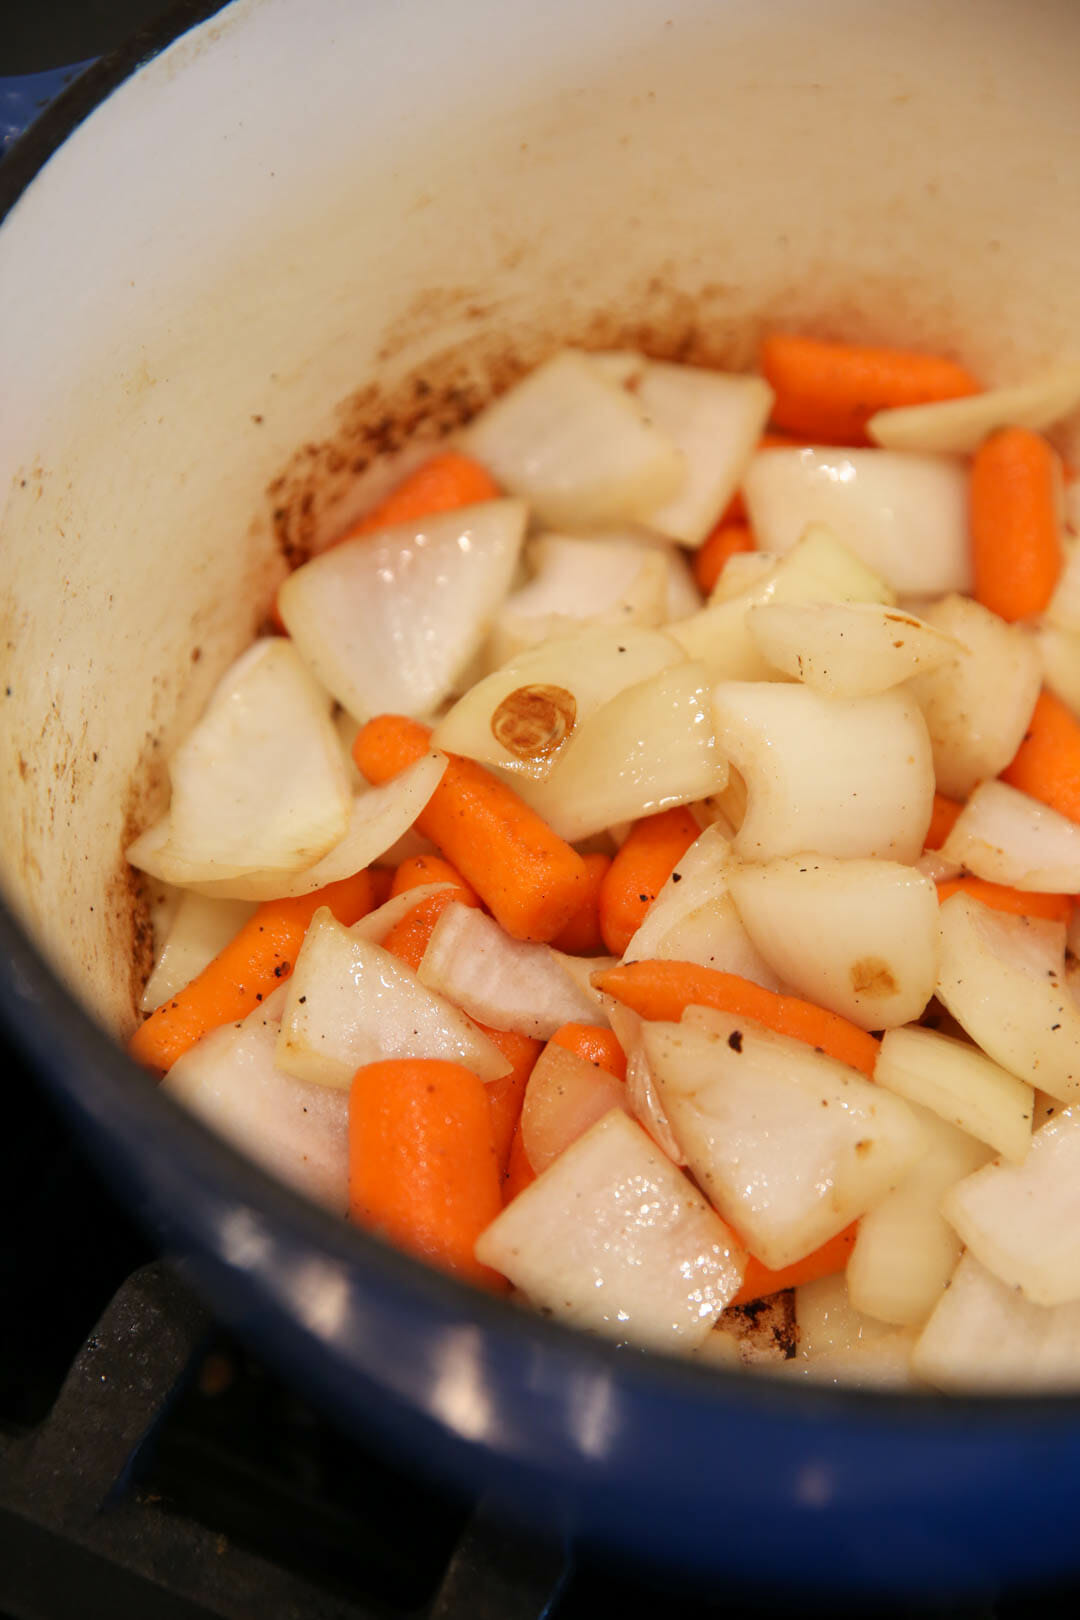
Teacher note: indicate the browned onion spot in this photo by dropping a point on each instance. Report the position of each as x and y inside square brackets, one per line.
[534, 720]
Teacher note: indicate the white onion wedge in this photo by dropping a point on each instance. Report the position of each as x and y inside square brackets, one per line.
[977, 707]
[499, 980]
[1008, 837]
[1003, 980]
[851, 649]
[1059, 653]
[648, 749]
[614, 1238]
[576, 446]
[960, 1084]
[378, 923]
[841, 776]
[524, 715]
[565, 1094]
[986, 1338]
[616, 366]
[580, 582]
[961, 425]
[790, 1145]
[882, 1363]
[297, 1131]
[828, 1321]
[388, 621]
[906, 1251]
[859, 937]
[644, 1099]
[1022, 1221]
[742, 572]
[715, 419]
[904, 515]
[200, 929]
[350, 1002]
[260, 782]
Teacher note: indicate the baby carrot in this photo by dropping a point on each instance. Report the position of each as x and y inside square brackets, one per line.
[595, 1044]
[448, 480]
[942, 821]
[1054, 907]
[582, 936]
[724, 541]
[419, 870]
[507, 1094]
[381, 881]
[1015, 527]
[640, 870]
[1047, 763]
[531, 880]
[408, 939]
[828, 392]
[519, 1172]
[422, 1165]
[833, 1256]
[252, 964]
[663, 990]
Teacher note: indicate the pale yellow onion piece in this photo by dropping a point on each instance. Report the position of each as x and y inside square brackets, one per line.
[1008, 837]
[614, 1238]
[839, 1345]
[961, 1085]
[650, 748]
[742, 572]
[1003, 980]
[297, 1131]
[850, 649]
[715, 419]
[349, 1002]
[580, 970]
[878, 1364]
[905, 515]
[200, 929]
[960, 425]
[817, 569]
[641, 1092]
[589, 667]
[985, 1338]
[932, 864]
[841, 776]
[616, 366]
[260, 782]
[694, 919]
[905, 1250]
[581, 583]
[388, 621]
[499, 980]
[859, 937]
[379, 819]
[1059, 653]
[1063, 608]
[977, 707]
[1022, 1221]
[1071, 503]
[565, 1094]
[576, 446]
[790, 1145]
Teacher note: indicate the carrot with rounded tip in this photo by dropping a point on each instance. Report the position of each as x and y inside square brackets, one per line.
[943, 819]
[252, 964]
[1047, 763]
[1016, 545]
[595, 1044]
[447, 481]
[1017, 902]
[639, 871]
[531, 880]
[423, 1171]
[827, 392]
[724, 541]
[582, 936]
[519, 1172]
[758, 1281]
[663, 990]
[507, 1093]
[419, 870]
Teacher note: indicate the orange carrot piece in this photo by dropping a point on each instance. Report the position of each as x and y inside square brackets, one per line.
[724, 541]
[531, 880]
[1047, 763]
[448, 480]
[942, 821]
[595, 1044]
[419, 870]
[639, 871]
[1015, 530]
[663, 990]
[519, 1172]
[381, 880]
[1018, 902]
[582, 936]
[252, 964]
[828, 392]
[833, 1256]
[735, 511]
[423, 1171]
[507, 1094]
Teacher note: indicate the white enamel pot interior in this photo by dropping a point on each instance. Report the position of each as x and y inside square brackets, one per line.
[310, 227]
